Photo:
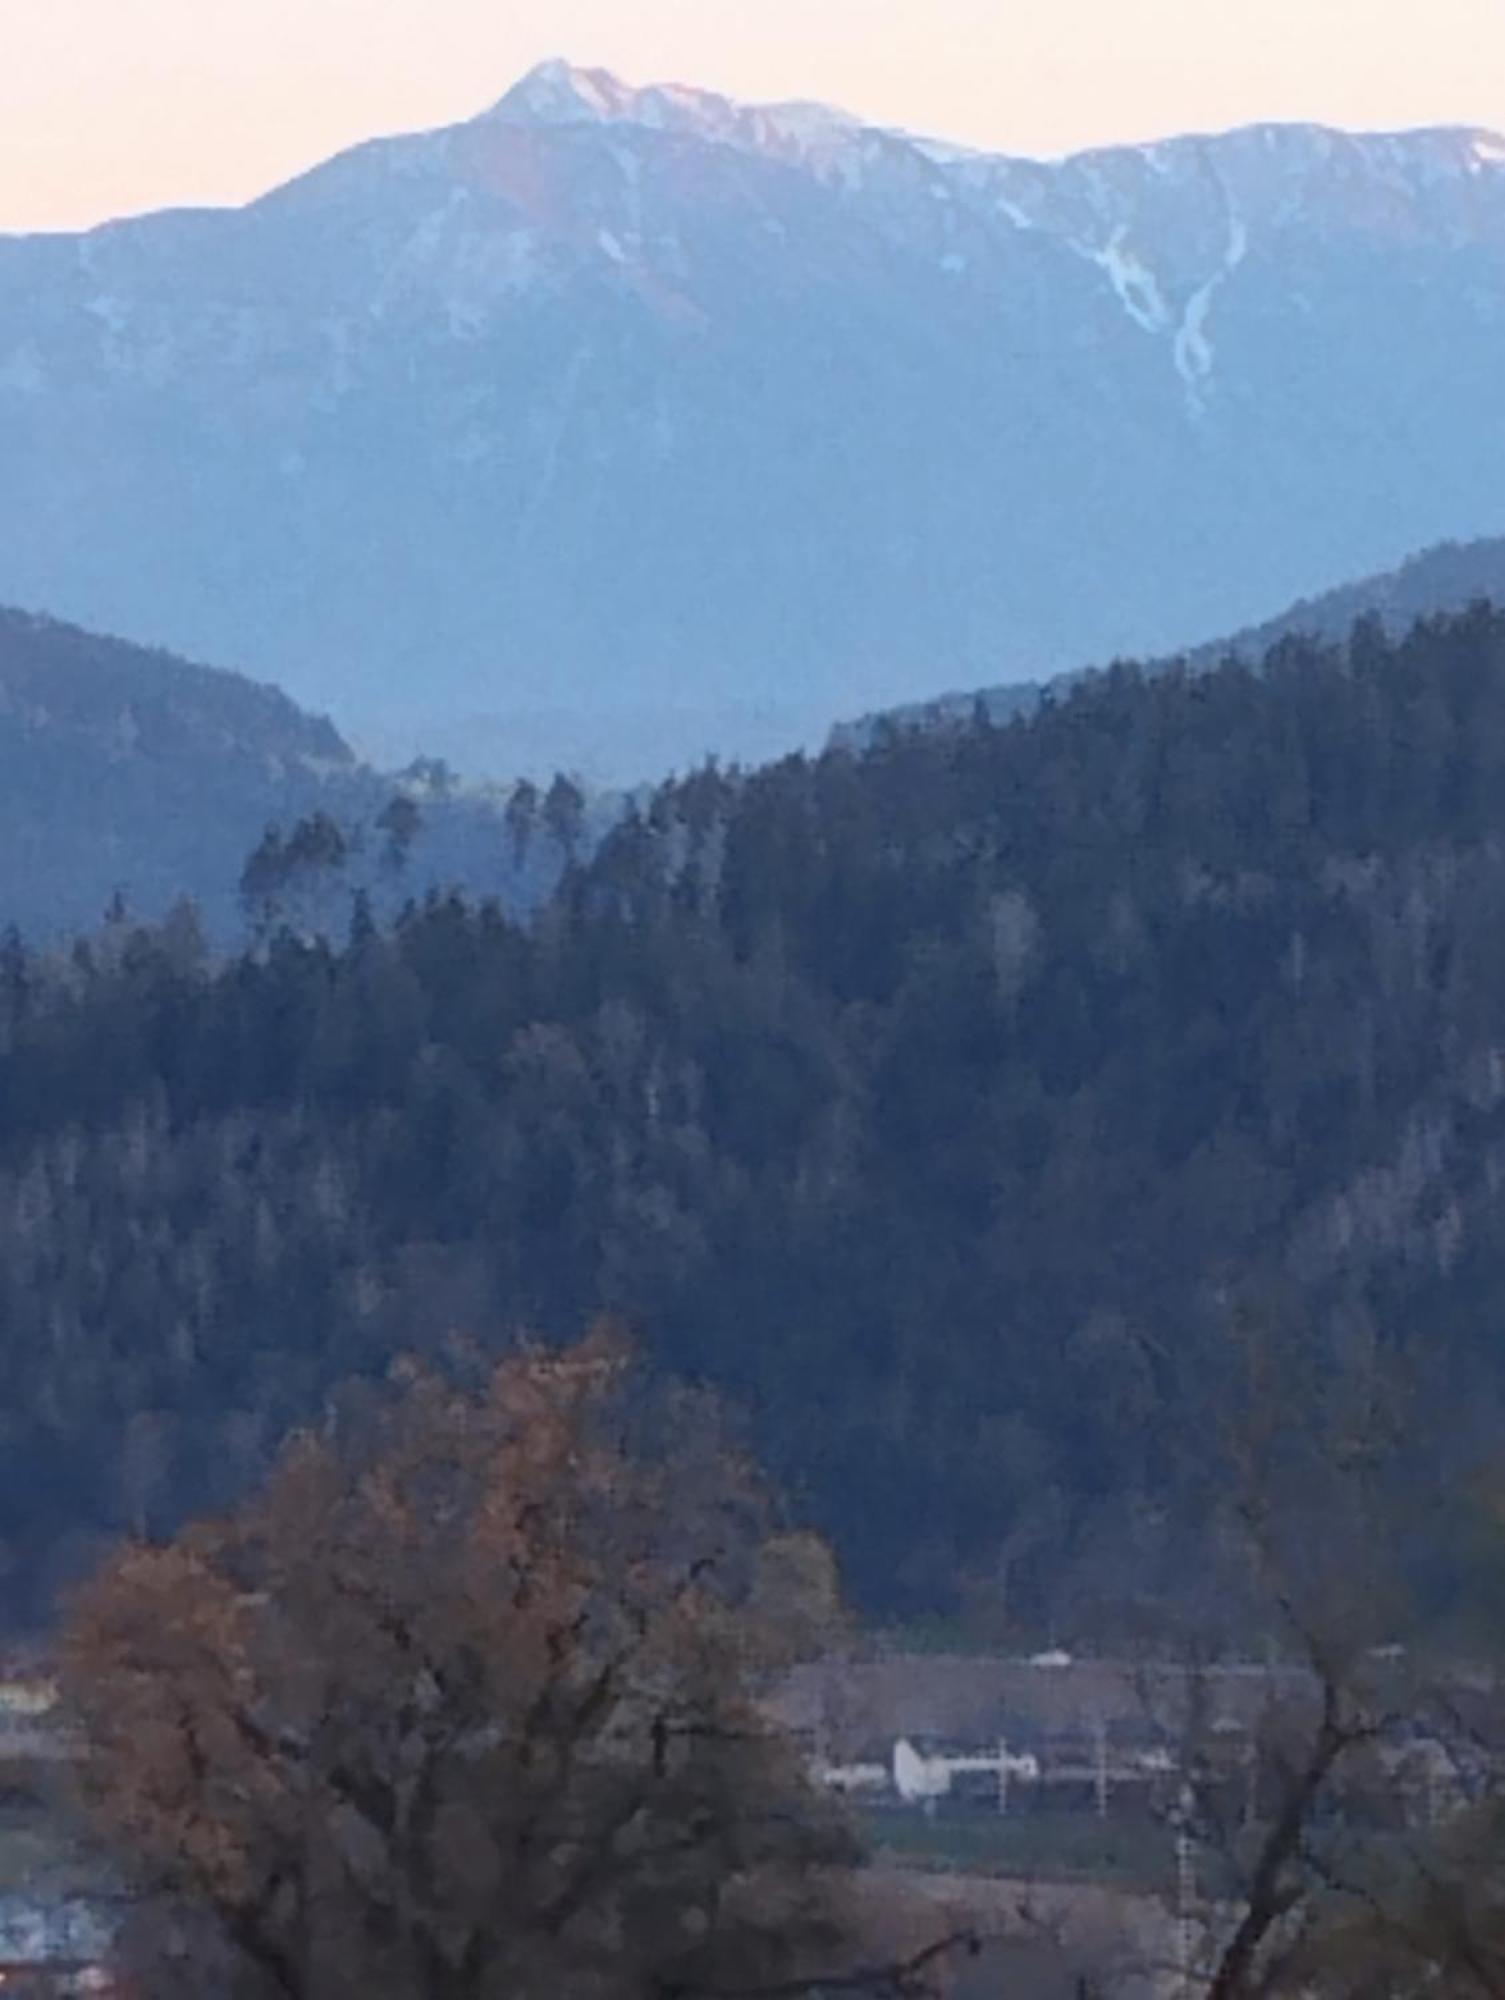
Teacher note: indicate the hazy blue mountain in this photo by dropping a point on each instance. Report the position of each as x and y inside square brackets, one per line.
[1447, 578]
[125, 772]
[613, 424]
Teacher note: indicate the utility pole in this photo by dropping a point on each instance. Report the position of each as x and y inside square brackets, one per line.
[1186, 1892]
[1100, 1735]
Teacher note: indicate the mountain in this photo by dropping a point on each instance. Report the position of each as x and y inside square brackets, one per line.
[1447, 578]
[123, 769]
[126, 773]
[614, 423]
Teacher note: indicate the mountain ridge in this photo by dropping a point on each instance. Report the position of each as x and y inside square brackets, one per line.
[51, 670]
[1440, 581]
[626, 424]
[1445, 578]
[558, 91]
[136, 780]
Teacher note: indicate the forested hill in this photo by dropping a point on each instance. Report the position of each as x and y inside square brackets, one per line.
[123, 768]
[126, 772]
[940, 1103]
[1447, 578]
[136, 697]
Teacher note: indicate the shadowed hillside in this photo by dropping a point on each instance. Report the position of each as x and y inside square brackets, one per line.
[942, 1104]
[128, 774]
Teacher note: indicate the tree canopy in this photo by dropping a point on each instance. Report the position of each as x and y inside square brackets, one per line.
[465, 1703]
[936, 1103]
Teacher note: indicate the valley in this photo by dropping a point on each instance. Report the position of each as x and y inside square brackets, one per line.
[752, 1022]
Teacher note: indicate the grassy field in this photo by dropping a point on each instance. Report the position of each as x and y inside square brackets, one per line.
[1130, 1854]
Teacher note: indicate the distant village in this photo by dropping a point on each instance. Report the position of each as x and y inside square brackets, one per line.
[954, 1746]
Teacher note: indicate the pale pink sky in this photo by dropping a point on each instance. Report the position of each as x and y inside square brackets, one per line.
[111, 106]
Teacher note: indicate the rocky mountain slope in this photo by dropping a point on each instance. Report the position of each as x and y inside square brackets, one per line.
[612, 424]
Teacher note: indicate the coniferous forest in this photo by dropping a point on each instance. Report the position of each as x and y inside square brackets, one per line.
[944, 1105]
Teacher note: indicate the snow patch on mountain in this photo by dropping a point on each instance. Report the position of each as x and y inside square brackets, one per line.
[1135, 285]
[1193, 347]
[557, 93]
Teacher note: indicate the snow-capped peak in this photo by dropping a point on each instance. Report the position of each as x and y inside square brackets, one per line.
[558, 93]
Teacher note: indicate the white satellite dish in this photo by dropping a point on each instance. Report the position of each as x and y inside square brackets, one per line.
[918, 1778]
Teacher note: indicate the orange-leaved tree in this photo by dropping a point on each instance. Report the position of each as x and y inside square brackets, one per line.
[469, 1705]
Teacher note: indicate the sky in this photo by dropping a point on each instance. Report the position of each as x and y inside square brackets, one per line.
[109, 107]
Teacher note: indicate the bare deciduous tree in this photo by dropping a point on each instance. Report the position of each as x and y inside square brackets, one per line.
[471, 1708]
[1334, 1871]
